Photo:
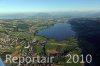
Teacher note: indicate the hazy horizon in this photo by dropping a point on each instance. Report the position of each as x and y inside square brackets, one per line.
[48, 6]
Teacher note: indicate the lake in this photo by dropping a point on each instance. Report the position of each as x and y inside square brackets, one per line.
[59, 31]
[1, 63]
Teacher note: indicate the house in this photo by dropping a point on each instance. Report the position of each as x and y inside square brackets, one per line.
[42, 42]
[34, 41]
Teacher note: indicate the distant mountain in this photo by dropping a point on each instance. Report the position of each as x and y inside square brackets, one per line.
[78, 14]
[23, 15]
[96, 14]
[13, 16]
[53, 14]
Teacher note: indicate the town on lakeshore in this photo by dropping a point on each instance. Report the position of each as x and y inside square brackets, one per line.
[19, 38]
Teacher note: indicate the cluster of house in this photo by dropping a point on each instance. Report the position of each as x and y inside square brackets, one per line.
[6, 42]
[29, 45]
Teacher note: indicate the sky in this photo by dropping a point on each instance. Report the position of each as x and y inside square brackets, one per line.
[23, 6]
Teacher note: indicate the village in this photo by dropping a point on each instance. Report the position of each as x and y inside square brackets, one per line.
[18, 38]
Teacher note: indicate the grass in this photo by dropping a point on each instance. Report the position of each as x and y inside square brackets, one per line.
[38, 49]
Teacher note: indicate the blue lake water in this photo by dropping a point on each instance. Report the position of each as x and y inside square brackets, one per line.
[1, 63]
[59, 31]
